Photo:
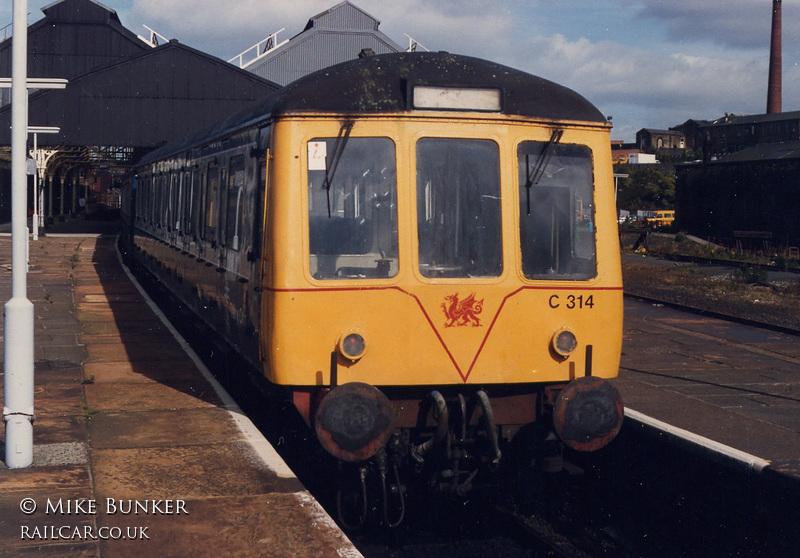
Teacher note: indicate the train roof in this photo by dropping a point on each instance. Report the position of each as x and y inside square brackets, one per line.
[384, 84]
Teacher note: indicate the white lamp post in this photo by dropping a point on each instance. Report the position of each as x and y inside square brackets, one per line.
[18, 375]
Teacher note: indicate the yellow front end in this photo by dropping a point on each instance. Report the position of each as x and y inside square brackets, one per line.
[423, 320]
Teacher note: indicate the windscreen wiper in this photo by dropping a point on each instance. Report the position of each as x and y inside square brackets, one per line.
[534, 175]
[333, 162]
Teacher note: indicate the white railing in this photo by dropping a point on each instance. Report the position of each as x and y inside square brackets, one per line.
[154, 37]
[6, 30]
[414, 45]
[258, 50]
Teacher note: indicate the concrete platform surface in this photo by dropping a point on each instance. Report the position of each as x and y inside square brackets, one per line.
[733, 384]
[136, 451]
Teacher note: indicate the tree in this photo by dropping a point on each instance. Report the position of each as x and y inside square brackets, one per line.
[646, 188]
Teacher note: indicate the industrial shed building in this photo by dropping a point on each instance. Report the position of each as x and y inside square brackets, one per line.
[124, 98]
[749, 198]
[336, 35]
[733, 133]
[143, 101]
[75, 37]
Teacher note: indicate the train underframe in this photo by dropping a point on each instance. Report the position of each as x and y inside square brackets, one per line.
[452, 440]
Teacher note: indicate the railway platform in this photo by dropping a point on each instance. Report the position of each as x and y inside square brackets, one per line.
[137, 450]
[726, 387]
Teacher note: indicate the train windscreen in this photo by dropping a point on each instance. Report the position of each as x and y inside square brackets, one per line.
[352, 207]
[556, 210]
[458, 208]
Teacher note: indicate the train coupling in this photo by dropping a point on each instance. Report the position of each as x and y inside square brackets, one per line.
[588, 413]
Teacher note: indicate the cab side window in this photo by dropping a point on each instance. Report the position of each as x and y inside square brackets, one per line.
[556, 192]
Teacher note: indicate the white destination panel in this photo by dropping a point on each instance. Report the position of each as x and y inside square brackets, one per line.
[456, 98]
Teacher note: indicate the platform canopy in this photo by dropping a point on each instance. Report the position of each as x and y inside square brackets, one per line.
[125, 96]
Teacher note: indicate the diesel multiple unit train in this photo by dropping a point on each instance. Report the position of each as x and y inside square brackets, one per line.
[419, 249]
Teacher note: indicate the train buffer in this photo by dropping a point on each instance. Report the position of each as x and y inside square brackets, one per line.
[136, 451]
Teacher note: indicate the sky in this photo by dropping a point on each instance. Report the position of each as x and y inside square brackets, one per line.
[645, 63]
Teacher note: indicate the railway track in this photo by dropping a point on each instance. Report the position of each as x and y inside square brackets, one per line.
[543, 536]
[496, 532]
[714, 314]
[723, 262]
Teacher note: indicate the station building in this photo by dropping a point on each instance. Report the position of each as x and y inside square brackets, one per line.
[742, 188]
[648, 138]
[748, 199]
[744, 191]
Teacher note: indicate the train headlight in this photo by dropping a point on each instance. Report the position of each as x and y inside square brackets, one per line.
[352, 346]
[564, 342]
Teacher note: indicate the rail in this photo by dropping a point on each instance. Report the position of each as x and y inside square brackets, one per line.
[714, 314]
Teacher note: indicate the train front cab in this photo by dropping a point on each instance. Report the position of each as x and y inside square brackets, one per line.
[465, 256]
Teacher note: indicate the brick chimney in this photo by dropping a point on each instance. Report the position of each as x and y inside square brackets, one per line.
[774, 85]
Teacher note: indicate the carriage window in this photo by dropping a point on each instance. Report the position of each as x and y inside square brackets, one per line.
[233, 209]
[161, 182]
[154, 190]
[149, 195]
[194, 218]
[180, 208]
[259, 193]
[211, 204]
[141, 187]
[184, 207]
[458, 208]
[172, 197]
[352, 207]
[183, 202]
[556, 211]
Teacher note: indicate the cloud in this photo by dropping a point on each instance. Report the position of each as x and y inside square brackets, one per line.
[224, 28]
[639, 85]
[641, 88]
[648, 63]
[731, 23]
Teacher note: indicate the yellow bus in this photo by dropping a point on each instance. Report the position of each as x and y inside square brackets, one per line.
[661, 219]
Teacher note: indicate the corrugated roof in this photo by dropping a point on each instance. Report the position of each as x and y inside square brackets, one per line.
[662, 132]
[764, 152]
[83, 11]
[344, 16]
[737, 119]
[317, 50]
[331, 37]
[143, 101]
[74, 37]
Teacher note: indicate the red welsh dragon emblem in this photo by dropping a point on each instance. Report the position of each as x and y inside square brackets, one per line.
[462, 312]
